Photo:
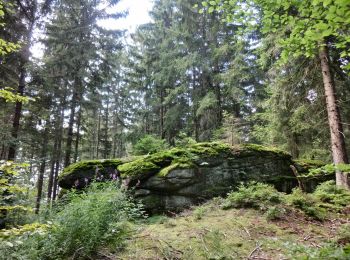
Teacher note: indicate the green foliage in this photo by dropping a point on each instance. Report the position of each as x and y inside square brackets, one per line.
[343, 234]
[24, 230]
[327, 251]
[328, 169]
[329, 192]
[149, 145]
[209, 101]
[275, 213]
[182, 140]
[99, 217]
[307, 203]
[13, 206]
[254, 195]
[309, 22]
[9, 96]
[5, 46]
[199, 212]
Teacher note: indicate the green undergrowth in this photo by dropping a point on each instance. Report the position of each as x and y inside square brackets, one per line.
[327, 197]
[254, 222]
[100, 217]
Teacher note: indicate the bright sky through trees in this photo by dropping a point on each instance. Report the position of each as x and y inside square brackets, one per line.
[138, 14]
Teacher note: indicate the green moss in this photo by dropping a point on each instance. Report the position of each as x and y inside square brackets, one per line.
[209, 149]
[177, 165]
[304, 166]
[90, 165]
[260, 148]
[138, 168]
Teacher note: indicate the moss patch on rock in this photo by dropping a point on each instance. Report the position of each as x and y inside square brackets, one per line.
[248, 149]
[90, 165]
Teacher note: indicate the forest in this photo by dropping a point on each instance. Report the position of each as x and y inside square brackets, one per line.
[199, 80]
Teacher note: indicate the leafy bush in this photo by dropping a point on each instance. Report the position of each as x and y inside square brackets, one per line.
[254, 195]
[328, 192]
[327, 251]
[275, 212]
[14, 208]
[149, 145]
[93, 219]
[199, 212]
[343, 234]
[307, 203]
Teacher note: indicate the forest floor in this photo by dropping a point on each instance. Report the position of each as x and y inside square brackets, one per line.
[209, 232]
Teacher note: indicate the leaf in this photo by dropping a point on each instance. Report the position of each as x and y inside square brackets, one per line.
[9, 244]
[326, 3]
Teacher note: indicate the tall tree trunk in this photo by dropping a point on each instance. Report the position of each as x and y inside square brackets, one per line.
[17, 116]
[337, 137]
[77, 137]
[42, 167]
[162, 133]
[98, 134]
[70, 127]
[59, 150]
[52, 170]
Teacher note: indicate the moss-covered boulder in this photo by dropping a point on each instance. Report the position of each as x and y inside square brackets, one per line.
[180, 177]
[79, 175]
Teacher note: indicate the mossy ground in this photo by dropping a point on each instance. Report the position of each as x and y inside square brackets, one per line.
[209, 232]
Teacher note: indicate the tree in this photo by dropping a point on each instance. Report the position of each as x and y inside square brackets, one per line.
[309, 28]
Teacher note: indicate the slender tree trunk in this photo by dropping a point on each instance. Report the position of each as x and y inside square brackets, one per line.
[17, 116]
[70, 127]
[59, 151]
[52, 171]
[42, 168]
[77, 137]
[98, 134]
[162, 134]
[337, 136]
[106, 126]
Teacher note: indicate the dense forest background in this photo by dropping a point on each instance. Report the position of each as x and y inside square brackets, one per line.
[188, 76]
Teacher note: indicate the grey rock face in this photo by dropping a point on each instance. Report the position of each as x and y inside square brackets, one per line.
[181, 188]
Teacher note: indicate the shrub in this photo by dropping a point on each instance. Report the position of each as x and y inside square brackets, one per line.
[149, 145]
[199, 212]
[275, 212]
[328, 192]
[343, 234]
[93, 219]
[253, 195]
[327, 251]
[307, 203]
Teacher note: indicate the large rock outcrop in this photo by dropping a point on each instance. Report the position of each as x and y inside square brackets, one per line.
[181, 177]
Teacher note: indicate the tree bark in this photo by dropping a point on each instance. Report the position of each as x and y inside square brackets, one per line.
[337, 136]
[42, 168]
[77, 137]
[17, 116]
[70, 127]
